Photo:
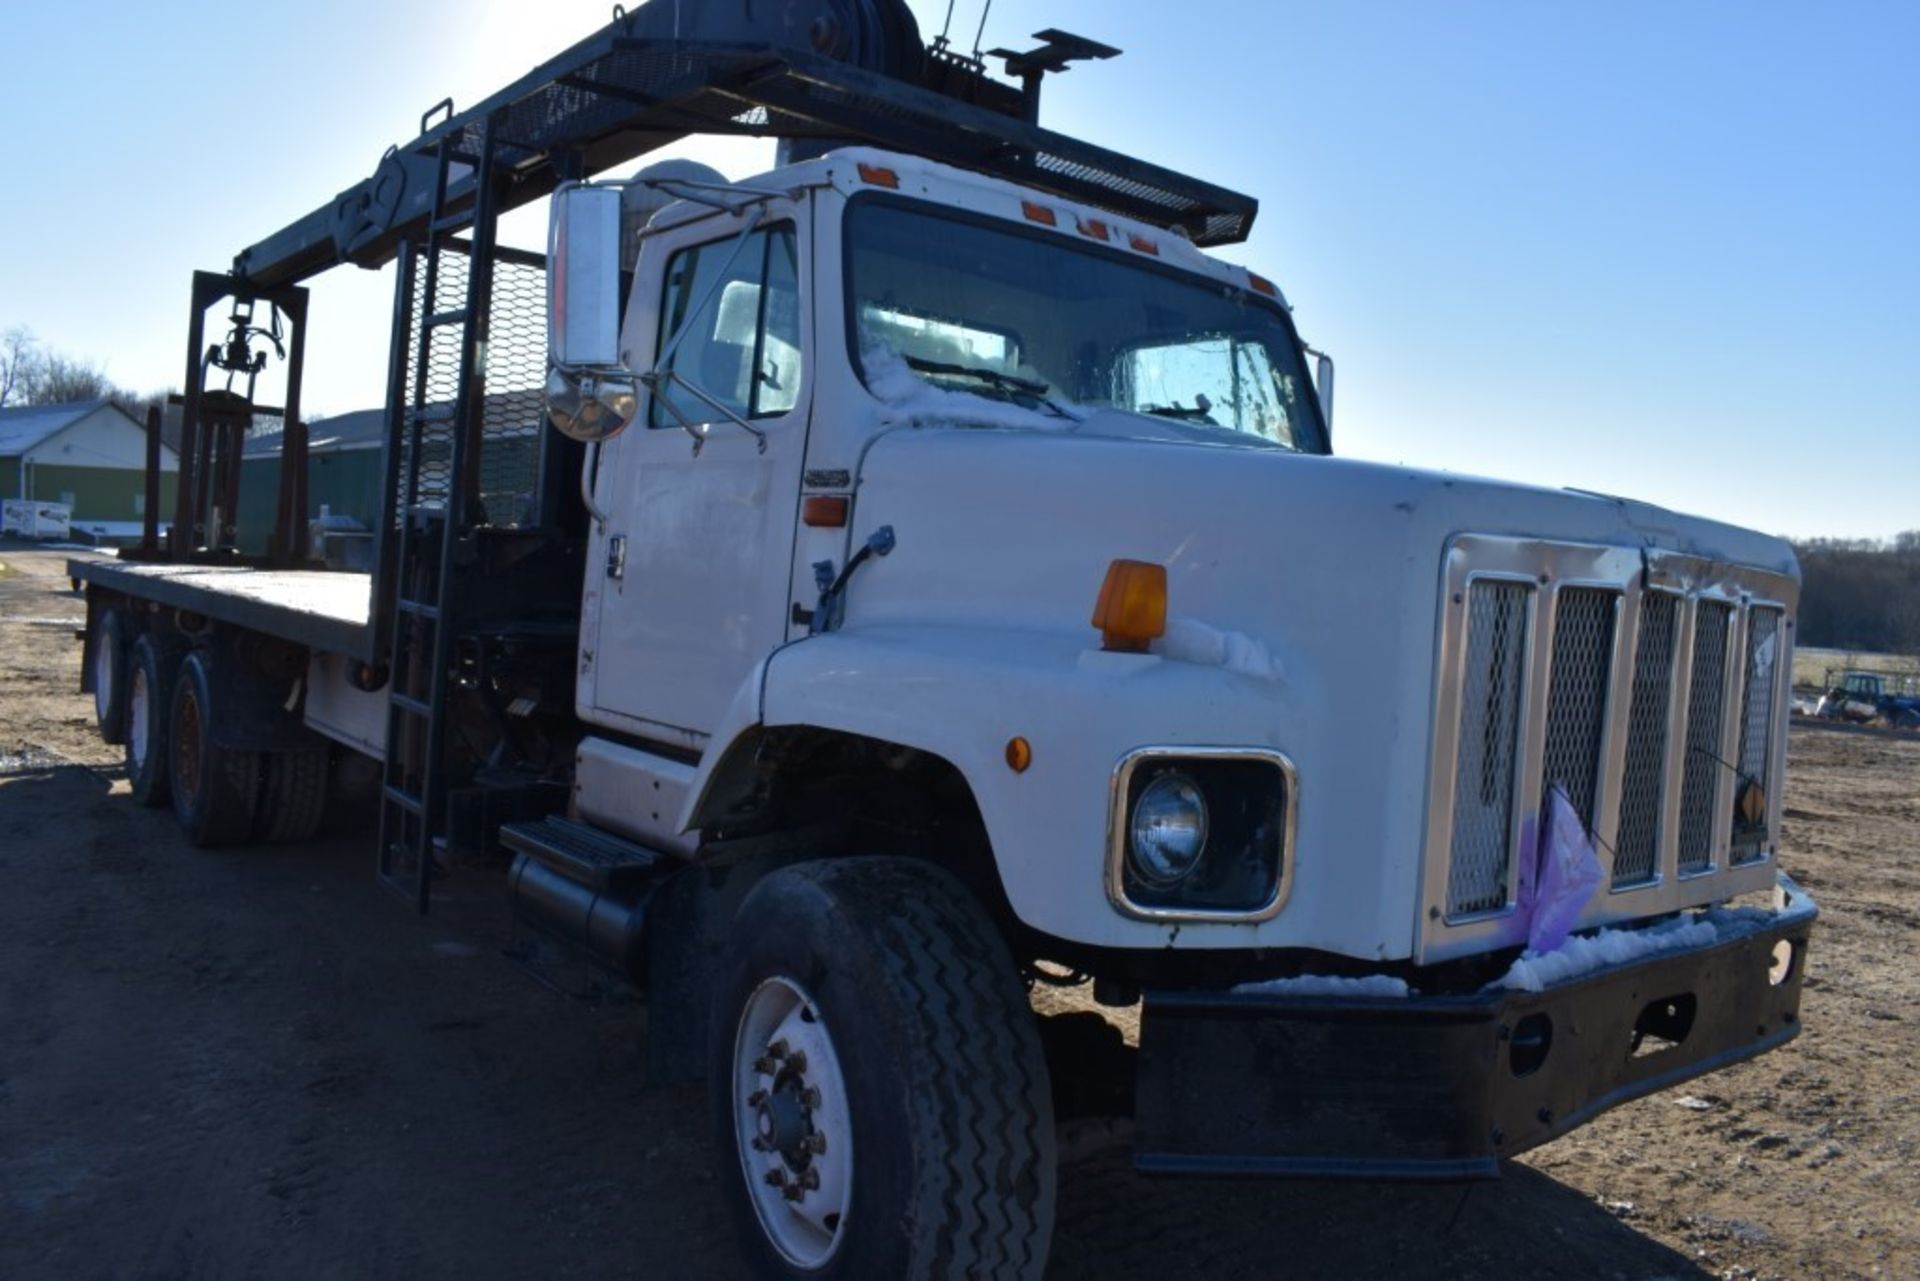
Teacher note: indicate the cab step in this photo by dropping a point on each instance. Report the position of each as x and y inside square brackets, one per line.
[586, 890]
[594, 858]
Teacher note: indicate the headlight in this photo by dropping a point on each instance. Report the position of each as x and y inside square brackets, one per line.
[1169, 830]
[1200, 833]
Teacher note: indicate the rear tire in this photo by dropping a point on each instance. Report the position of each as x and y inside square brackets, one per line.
[293, 794]
[921, 1080]
[150, 675]
[112, 646]
[216, 791]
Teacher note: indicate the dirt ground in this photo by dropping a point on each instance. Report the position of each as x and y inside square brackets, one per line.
[260, 1063]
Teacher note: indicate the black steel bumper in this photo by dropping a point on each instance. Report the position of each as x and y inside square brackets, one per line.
[1446, 1087]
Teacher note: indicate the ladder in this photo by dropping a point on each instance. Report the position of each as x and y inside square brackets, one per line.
[413, 804]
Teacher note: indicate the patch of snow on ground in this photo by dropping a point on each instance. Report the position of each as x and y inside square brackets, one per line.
[1188, 640]
[1329, 985]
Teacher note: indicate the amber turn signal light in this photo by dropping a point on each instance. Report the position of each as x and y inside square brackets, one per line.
[824, 511]
[1132, 609]
[1019, 755]
[878, 177]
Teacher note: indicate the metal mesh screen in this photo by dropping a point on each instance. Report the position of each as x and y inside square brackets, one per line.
[429, 460]
[1706, 713]
[511, 413]
[1643, 778]
[1756, 729]
[1498, 618]
[514, 413]
[1584, 621]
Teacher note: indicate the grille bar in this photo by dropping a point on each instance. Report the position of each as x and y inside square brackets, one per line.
[1754, 759]
[1578, 695]
[1643, 780]
[1706, 724]
[1499, 624]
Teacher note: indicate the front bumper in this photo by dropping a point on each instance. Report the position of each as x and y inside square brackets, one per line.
[1445, 1087]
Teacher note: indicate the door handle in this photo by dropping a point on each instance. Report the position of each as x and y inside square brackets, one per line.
[617, 556]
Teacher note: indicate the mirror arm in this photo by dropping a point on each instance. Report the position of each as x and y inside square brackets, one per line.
[590, 481]
[713, 291]
[656, 380]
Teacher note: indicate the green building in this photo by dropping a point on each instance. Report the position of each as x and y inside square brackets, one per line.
[90, 456]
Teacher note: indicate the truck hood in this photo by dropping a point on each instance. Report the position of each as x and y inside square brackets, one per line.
[1022, 524]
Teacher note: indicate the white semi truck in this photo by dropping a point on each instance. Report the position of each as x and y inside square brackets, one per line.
[940, 584]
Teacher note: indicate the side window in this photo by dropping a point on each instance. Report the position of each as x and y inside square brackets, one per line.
[740, 306]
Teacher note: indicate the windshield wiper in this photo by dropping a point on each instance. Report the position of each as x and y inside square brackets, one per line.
[992, 377]
[1018, 388]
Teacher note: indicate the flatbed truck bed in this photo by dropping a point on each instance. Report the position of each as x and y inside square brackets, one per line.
[324, 610]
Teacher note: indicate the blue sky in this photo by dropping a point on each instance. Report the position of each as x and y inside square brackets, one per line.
[1664, 250]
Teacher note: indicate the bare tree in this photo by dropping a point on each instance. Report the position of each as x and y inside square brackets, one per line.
[63, 380]
[19, 364]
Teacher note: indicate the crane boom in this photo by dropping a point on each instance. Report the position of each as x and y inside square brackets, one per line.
[843, 70]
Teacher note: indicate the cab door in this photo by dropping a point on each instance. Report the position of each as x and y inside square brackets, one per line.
[690, 569]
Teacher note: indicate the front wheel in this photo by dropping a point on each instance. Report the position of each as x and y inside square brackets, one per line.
[877, 1081]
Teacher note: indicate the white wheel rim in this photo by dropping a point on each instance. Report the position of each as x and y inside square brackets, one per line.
[791, 1122]
[139, 713]
[102, 674]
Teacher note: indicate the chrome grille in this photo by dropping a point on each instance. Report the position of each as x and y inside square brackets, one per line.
[1583, 625]
[1636, 846]
[1499, 615]
[1643, 681]
[1706, 713]
[1756, 730]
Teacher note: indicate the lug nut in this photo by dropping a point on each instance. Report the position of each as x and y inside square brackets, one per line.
[761, 1145]
[791, 1193]
[816, 1143]
[810, 1097]
[778, 1049]
[757, 1098]
[810, 1179]
[777, 1177]
[765, 1066]
[798, 1061]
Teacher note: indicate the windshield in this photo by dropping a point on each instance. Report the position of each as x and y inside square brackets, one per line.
[1035, 317]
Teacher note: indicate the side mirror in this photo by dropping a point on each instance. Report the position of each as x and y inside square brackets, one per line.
[1323, 383]
[591, 395]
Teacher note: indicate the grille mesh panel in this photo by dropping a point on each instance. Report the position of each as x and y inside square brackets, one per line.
[1643, 779]
[1498, 618]
[1756, 728]
[1706, 716]
[1584, 622]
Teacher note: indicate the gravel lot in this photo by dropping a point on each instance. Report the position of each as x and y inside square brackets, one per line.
[258, 1062]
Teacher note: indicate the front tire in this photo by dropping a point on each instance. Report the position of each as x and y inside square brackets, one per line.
[216, 790]
[914, 1136]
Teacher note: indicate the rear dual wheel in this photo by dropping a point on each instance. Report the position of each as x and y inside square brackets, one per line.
[151, 669]
[110, 661]
[224, 795]
[215, 789]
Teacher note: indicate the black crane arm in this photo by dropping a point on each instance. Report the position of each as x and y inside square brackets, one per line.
[852, 70]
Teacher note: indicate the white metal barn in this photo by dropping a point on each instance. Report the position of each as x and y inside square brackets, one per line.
[89, 456]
